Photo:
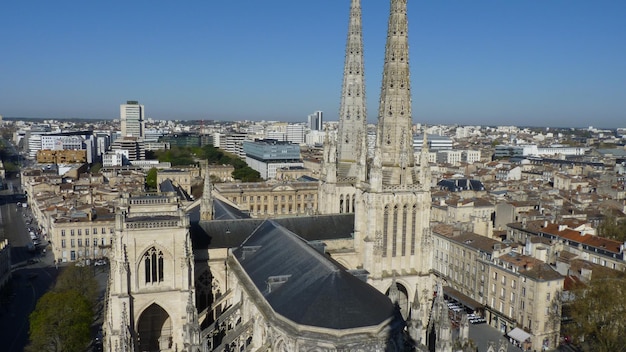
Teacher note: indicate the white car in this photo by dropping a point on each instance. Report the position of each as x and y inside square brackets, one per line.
[100, 262]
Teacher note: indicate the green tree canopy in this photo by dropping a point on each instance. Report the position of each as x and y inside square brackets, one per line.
[178, 156]
[61, 322]
[246, 174]
[62, 317]
[613, 228]
[597, 315]
[79, 278]
[151, 178]
[188, 155]
[95, 168]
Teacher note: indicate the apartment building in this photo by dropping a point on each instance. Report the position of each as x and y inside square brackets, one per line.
[271, 199]
[79, 235]
[222, 172]
[577, 241]
[182, 177]
[515, 292]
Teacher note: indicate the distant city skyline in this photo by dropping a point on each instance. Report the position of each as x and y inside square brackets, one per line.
[532, 63]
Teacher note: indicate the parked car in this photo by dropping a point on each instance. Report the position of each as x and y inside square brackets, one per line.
[100, 262]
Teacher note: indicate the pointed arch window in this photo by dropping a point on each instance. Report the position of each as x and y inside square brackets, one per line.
[404, 229]
[153, 264]
[413, 227]
[394, 243]
[385, 230]
[341, 203]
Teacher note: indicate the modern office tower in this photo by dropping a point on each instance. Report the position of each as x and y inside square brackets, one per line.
[233, 143]
[295, 133]
[134, 146]
[103, 142]
[315, 121]
[132, 116]
[268, 155]
[435, 142]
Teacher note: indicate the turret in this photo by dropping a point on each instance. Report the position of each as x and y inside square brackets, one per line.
[206, 203]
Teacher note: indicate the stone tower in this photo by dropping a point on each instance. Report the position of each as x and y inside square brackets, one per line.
[149, 303]
[393, 210]
[206, 202]
[345, 155]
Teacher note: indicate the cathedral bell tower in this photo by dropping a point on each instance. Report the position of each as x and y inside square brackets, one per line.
[149, 303]
[393, 212]
[345, 154]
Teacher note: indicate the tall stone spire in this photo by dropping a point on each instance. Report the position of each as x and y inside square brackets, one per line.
[352, 110]
[424, 164]
[344, 167]
[394, 136]
[206, 203]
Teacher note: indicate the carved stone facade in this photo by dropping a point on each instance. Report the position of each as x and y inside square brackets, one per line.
[390, 247]
[390, 195]
[393, 209]
[264, 200]
[345, 155]
[150, 297]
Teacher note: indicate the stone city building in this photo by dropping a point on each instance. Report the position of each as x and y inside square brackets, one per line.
[209, 277]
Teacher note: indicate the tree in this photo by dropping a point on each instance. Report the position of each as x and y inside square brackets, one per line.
[62, 317]
[597, 315]
[60, 322]
[95, 168]
[79, 278]
[613, 228]
[246, 174]
[151, 178]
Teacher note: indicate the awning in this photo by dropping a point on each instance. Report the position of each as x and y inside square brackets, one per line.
[519, 335]
[461, 298]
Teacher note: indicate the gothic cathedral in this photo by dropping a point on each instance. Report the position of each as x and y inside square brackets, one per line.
[390, 193]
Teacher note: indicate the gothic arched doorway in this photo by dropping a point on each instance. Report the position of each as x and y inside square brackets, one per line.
[402, 299]
[154, 329]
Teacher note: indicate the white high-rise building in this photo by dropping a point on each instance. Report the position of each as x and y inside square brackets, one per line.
[315, 121]
[295, 133]
[132, 118]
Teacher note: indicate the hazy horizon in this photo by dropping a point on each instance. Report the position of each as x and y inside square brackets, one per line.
[472, 63]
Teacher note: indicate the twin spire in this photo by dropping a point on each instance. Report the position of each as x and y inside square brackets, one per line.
[352, 109]
[394, 137]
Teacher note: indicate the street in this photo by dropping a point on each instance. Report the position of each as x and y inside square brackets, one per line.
[29, 282]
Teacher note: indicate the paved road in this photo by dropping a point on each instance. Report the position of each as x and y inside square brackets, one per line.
[29, 282]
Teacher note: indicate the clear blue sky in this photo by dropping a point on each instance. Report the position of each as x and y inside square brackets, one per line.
[523, 62]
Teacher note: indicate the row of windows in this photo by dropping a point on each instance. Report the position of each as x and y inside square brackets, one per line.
[79, 242]
[149, 201]
[80, 231]
[283, 209]
[282, 198]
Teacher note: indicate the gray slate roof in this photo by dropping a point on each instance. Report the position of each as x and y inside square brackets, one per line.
[317, 292]
[224, 211]
[231, 233]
